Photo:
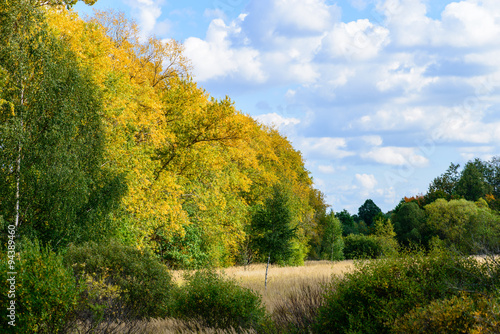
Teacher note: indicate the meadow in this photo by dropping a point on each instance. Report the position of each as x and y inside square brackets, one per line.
[287, 287]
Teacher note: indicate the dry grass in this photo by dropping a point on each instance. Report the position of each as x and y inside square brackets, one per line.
[281, 281]
[171, 326]
[292, 293]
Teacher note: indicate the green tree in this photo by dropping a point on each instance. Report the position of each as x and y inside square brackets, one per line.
[332, 246]
[67, 3]
[408, 223]
[368, 211]
[347, 221]
[54, 187]
[446, 183]
[463, 225]
[472, 184]
[272, 227]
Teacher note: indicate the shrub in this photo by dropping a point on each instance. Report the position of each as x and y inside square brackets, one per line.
[358, 246]
[371, 298]
[144, 283]
[458, 314]
[45, 291]
[218, 302]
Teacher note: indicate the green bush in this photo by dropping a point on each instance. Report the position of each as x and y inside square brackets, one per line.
[145, 284]
[458, 314]
[376, 293]
[46, 292]
[219, 302]
[359, 246]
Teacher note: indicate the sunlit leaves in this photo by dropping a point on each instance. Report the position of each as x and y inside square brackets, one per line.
[190, 161]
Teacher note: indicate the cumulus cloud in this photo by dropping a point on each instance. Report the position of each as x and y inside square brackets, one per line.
[357, 40]
[147, 13]
[216, 57]
[463, 24]
[397, 156]
[328, 148]
[273, 119]
[326, 169]
[367, 181]
[367, 90]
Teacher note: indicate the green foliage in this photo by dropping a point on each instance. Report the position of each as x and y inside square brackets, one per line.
[332, 246]
[272, 228]
[347, 222]
[53, 184]
[472, 184]
[145, 284]
[463, 225]
[458, 314]
[445, 184]
[368, 211]
[219, 302]
[46, 293]
[359, 246]
[409, 223]
[186, 251]
[377, 293]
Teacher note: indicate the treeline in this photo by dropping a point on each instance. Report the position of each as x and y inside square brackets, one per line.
[104, 134]
[460, 211]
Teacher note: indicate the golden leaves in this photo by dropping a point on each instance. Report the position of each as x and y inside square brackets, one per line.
[188, 158]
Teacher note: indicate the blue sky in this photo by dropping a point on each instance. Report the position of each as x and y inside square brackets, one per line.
[380, 96]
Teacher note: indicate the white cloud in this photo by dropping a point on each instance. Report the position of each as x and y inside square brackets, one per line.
[386, 84]
[397, 156]
[357, 40]
[403, 73]
[271, 19]
[330, 148]
[216, 57]
[326, 169]
[273, 119]
[463, 24]
[367, 181]
[373, 140]
[148, 12]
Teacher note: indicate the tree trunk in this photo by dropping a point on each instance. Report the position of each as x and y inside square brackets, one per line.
[18, 165]
[267, 268]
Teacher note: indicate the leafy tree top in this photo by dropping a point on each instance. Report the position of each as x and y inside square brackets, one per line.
[368, 211]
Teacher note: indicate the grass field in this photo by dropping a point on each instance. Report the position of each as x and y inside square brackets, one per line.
[281, 281]
[289, 289]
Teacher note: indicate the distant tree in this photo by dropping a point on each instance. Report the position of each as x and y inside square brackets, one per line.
[368, 211]
[464, 225]
[408, 223]
[446, 183]
[472, 184]
[272, 227]
[347, 222]
[493, 175]
[332, 247]
[318, 222]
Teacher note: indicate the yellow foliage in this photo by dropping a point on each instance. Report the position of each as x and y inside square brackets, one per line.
[187, 158]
